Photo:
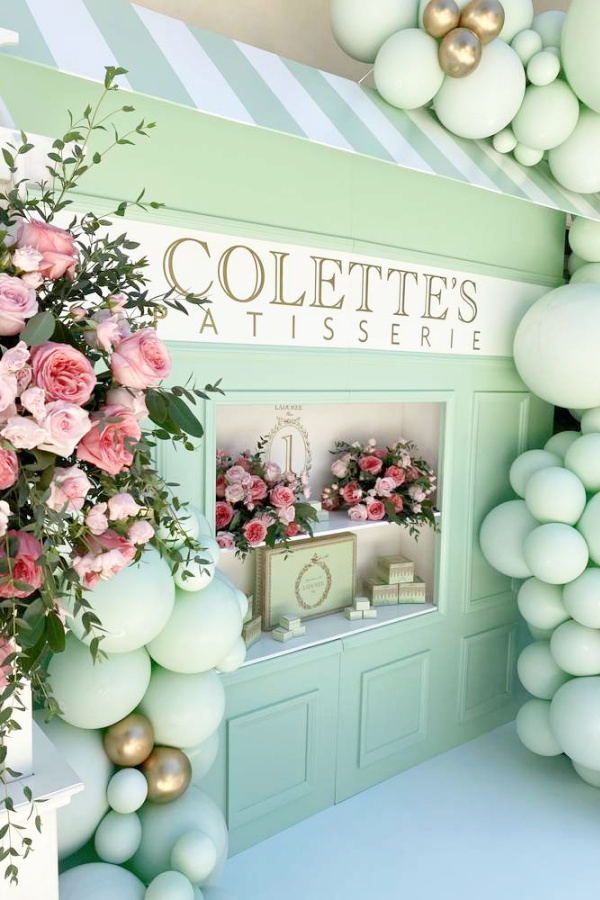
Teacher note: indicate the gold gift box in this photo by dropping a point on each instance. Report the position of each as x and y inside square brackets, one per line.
[252, 630]
[395, 569]
[380, 593]
[412, 593]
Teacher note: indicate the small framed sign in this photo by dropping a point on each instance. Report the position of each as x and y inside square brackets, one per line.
[310, 578]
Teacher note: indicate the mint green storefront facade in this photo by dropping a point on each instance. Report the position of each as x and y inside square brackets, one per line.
[310, 728]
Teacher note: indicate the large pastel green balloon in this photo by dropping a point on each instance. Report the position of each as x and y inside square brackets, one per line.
[575, 720]
[83, 750]
[526, 465]
[576, 648]
[184, 709]
[556, 553]
[526, 44]
[591, 776]
[576, 163]
[100, 881]
[235, 658]
[579, 47]
[560, 443]
[583, 458]
[588, 274]
[538, 671]
[533, 728]
[407, 71]
[118, 837]
[589, 525]
[97, 694]
[582, 598]
[170, 886]
[127, 791]
[203, 628]
[518, 15]
[549, 26]
[503, 535]
[133, 606]
[547, 116]
[555, 495]
[584, 239]
[556, 346]
[590, 421]
[361, 28]
[488, 99]
[164, 824]
[203, 756]
[541, 605]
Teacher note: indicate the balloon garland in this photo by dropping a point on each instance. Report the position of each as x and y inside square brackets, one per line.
[140, 737]
[490, 69]
[550, 536]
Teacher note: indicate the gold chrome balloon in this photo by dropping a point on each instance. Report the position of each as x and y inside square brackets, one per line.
[168, 772]
[440, 17]
[460, 53]
[485, 18]
[130, 741]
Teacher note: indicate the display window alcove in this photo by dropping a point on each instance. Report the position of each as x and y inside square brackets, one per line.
[300, 433]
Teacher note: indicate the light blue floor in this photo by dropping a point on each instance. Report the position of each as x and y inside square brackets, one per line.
[487, 821]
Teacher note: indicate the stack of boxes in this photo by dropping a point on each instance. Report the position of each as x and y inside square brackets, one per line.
[289, 627]
[252, 627]
[360, 609]
[395, 582]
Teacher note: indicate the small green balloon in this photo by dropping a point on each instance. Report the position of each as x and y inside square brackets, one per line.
[583, 458]
[555, 495]
[588, 274]
[526, 44]
[560, 443]
[502, 536]
[127, 791]
[170, 886]
[556, 553]
[541, 605]
[533, 728]
[547, 117]
[589, 524]
[526, 464]
[543, 68]
[184, 709]
[361, 28]
[584, 239]
[505, 141]
[528, 156]
[118, 837]
[538, 671]
[582, 598]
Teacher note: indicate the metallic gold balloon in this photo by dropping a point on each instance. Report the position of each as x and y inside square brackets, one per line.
[485, 18]
[130, 741]
[168, 772]
[460, 53]
[440, 17]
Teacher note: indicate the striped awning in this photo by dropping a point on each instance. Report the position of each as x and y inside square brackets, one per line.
[169, 59]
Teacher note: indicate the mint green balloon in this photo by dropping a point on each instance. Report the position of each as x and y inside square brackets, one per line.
[184, 709]
[96, 695]
[584, 239]
[576, 648]
[588, 274]
[505, 141]
[528, 156]
[547, 117]
[118, 837]
[590, 421]
[100, 881]
[541, 605]
[579, 48]
[518, 15]
[575, 720]
[555, 553]
[526, 44]
[195, 855]
[589, 526]
[574, 263]
[361, 28]
[543, 68]
[591, 776]
[555, 495]
[576, 163]
[526, 464]
[407, 71]
[582, 598]
[559, 443]
[549, 26]
[534, 730]
[583, 458]
[538, 671]
[170, 886]
[127, 791]
[203, 757]
[502, 536]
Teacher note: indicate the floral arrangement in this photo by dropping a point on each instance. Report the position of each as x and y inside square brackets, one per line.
[375, 483]
[257, 503]
[81, 367]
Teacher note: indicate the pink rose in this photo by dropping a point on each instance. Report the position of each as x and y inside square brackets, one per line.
[122, 506]
[109, 553]
[33, 400]
[375, 510]
[8, 391]
[281, 496]
[63, 372]
[26, 259]
[23, 433]
[96, 519]
[14, 359]
[412, 473]
[243, 461]
[292, 530]
[398, 502]
[129, 398]
[223, 514]
[68, 489]
[221, 485]
[371, 464]
[140, 532]
[65, 424]
[258, 489]
[339, 467]
[225, 540]
[272, 471]
[287, 514]
[397, 474]
[23, 567]
[6, 650]
[235, 474]
[17, 303]
[87, 566]
[235, 493]
[358, 513]
[110, 540]
[32, 279]
[416, 493]
[107, 330]
[9, 469]
[110, 442]
[379, 452]
[140, 360]
[255, 532]
[417, 508]
[56, 246]
[23, 377]
[117, 301]
[351, 493]
[5, 514]
[385, 486]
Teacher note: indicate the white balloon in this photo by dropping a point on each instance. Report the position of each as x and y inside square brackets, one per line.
[576, 163]
[556, 346]
[583, 459]
[360, 28]
[587, 274]
[547, 117]
[538, 671]
[407, 71]
[195, 855]
[560, 443]
[127, 791]
[203, 757]
[543, 68]
[518, 15]
[556, 553]
[579, 46]
[591, 776]
[584, 239]
[555, 495]
[549, 26]
[576, 648]
[502, 536]
[505, 141]
[589, 526]
[526, 44]
[194, 576]
[235, 658]
[533, 728]
[528, 156]
[526, 464]
[100, 881]
[575, 720]
[118, 837]
[590, 421]
[170, 886]
[541, 605]
[582, 598]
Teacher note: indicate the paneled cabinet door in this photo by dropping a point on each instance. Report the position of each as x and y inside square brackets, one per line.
[277, 765]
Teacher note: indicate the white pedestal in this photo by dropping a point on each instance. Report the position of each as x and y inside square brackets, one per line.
[19, 744]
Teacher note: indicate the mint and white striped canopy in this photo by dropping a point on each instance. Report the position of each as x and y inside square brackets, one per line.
[169, 59]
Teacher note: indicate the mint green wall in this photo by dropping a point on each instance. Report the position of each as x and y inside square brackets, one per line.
[317, 726]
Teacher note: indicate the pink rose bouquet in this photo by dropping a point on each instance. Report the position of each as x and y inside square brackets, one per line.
[382, 483]
[257, 503]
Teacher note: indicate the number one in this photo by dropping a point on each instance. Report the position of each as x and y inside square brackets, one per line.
[288, 440]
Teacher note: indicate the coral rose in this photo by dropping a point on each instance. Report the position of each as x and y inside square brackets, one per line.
[223, 514]
[9, 469]
[292, 530]
[375, 510]
[258, 489]
[56, 246]
[130, 399]
[358, 513]
[397, 474]
[255, 532]
[398, 502]
[23, 570]
[140, 360]
[63, 372]
[17, 303]
[351, 493]
[221, 486]
[370, 464]
[110, 442]
[281, 496]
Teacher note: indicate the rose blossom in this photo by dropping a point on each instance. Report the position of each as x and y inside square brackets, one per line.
[56, 246]
[358, 513]
[255, 531]
[417, 508]
[339, 467]
[68, 489]
[129, 398]
[235, 474]
[223, 514]
[225, 540]
[4, 517]
[140, 532]
[292, 530]
[235, 493]
[375, 510]
[398, 502]
[108, 444]
[33, 400]
[65, 425]
[63, 372]
[109, 553]
[14, 359]
[272, 471]
[370, 464]
[397, 474]
[286, 515]
[6, 650]
[351, 493]
[140, 360]
[9, 468]
[97, 520]
[243, 461]
[379, 452]
[106, 330]
[122, 506]
[24, 433]
[26, 259]
[412, 473]
[416, 493]
[23, 566]
[385, 486]
[281, 496]
[8, 391]
[258, 489]
[32, 279]
[17, 303]
[221, 485]
[117, 301]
